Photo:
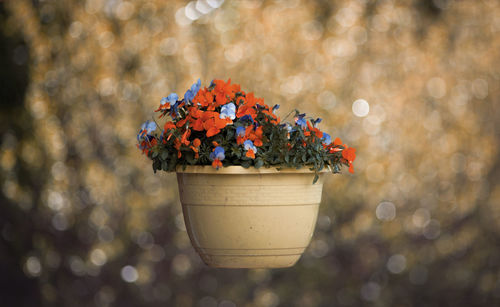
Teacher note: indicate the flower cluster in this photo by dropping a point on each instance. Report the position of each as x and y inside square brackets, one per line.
[222, 125]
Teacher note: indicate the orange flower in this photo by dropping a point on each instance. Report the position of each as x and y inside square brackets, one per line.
[240, 100]
[216, 163]
[250, 154]
[254, 135]
[266, 110]
[177, 145]
[224, 92]
[195, 118]
[316, 131]
[181, 123]
[240, 140]
[196, 142]
[349, 154]
[334, 147]
[146, 146]
[168, 126]
[258, 142]
[205, 98]
[212, 123]
[217, 156]
[248, 108]
[185, 136]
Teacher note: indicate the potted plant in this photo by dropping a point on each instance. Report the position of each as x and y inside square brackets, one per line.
[250, 185]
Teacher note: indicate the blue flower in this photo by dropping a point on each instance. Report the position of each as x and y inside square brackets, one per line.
[217, 154]
[171, 99]
[247, 117]
[299, 120]
[316, 121]
[146, 129]
[276, 107]
[327, 139]
[240, 131]
[191, 93]
[249, 145]
[173, 104]
[250, 148]
[228, 110]
[196, 86]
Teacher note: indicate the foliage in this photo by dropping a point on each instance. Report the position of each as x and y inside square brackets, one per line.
[222, 125]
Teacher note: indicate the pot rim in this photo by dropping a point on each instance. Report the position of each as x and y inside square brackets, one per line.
[238, 169]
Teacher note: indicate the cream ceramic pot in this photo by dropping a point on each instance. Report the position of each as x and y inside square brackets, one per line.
[249, 218]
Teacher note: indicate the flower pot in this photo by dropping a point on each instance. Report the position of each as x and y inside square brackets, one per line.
[249, 218]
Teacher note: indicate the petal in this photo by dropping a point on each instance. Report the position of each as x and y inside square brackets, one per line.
[250, 154]
[212, 131]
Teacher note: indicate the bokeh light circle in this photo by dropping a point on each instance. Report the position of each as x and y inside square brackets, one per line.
[360, 108]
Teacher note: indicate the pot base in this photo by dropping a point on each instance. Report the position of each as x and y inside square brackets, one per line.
[251, 258]
[250, 262]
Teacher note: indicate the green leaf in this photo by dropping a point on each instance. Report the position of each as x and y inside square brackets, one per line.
[246, 164]
[156, 165]
[164, 155]
[259, 163]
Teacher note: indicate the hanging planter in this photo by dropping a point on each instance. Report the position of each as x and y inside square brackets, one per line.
[250, 185]
[249, 218]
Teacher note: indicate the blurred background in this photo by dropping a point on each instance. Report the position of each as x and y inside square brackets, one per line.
[413, 85]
